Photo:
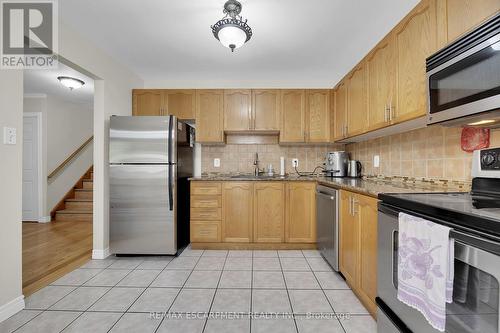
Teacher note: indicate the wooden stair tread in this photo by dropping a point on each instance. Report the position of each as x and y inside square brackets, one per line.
[67, 211]
[79, 200]
[83, 189]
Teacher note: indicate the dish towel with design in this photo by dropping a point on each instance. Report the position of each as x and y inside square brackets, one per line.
[425, 267]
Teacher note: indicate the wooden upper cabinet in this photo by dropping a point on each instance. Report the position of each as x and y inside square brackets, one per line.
[237, 110]
[269, 212]
[318, 115]
[357, 115]
[265, 109]
[366, 209]
[293, 116]
[237, 212]
[340, 112]
[210, 116]
[415, 40]
[300, 220]
[381, 78]
[349, 242]
[464, 15]
[147, 102]
[180, 103]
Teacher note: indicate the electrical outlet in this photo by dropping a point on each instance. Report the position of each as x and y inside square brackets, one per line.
[9, 136]
[295, 162]
[216, 162]
[376, 161]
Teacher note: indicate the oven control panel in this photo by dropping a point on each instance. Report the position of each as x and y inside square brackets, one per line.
[490, 159]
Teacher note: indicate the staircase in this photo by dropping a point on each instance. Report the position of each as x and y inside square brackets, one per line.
[78, 204]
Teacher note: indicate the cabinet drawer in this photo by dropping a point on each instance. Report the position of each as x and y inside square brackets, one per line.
[205, 214]
[205, 188]
[205, 231]
[200, 201]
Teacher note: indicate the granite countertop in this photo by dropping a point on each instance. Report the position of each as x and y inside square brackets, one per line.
[371, 186]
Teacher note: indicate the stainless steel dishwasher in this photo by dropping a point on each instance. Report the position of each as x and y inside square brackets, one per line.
[328, 231]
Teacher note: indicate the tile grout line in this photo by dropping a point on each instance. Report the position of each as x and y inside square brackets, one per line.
[251, 297]
[180, 290]
[110, 288]
[215, 292]
[76, 287]
[324, 293]
[288, 293]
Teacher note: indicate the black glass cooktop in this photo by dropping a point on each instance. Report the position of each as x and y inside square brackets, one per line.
[472, 211]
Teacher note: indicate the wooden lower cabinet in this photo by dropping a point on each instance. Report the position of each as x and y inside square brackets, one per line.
[237, 212]
[348, 238]
[253, 214]
[358, 245]
[269, 212]
[300, 223]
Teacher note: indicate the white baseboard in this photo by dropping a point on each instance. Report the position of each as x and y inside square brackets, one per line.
[11, 308]
[44, 219]
[100, 254]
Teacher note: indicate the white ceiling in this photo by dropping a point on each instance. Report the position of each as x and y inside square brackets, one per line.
[44, 81]
[296, 43]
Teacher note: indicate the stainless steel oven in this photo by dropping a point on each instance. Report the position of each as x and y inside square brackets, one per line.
[476, 297]
[464, 79]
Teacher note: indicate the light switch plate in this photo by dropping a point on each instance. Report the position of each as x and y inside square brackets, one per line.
[295, 162]
[376, 161]
[216, 162]
[9, 136]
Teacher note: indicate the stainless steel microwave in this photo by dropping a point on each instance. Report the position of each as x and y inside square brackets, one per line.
[463, 79]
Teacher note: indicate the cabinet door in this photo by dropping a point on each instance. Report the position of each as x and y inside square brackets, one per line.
[348, 239]
[209, 116]
[381, 81]
[293, 116]
[237, 215]
[366, 209]
[269, 212]
[300, 223]
[415, 39]
[318, 116]
[147, 102]
[357, 116]
[237, 113]
[340, 113]
[463, 15]
[180, 103]
[265, 109]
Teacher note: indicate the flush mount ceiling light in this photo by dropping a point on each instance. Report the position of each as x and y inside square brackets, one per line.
[70, 82]
[231, 30]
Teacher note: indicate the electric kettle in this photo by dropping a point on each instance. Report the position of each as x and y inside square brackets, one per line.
[354, 169]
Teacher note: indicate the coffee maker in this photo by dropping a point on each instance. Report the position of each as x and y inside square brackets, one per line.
[336, 164]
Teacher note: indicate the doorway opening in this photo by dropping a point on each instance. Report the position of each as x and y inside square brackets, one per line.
[57, 175]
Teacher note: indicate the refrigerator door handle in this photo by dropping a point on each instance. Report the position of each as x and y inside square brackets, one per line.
[170, 188]
[170, 134]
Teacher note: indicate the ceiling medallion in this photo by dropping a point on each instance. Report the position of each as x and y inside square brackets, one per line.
[231, 30]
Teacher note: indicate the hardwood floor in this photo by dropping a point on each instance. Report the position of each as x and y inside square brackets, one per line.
[53, 249]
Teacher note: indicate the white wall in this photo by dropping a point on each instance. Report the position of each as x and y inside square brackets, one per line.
[65, 126]
[69, 125]
[11, 115]
[113, 84]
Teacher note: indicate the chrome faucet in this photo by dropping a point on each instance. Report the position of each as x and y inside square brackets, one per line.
[256, 170]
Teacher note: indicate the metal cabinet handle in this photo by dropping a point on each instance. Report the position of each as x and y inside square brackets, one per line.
[386, 116]
[354, 203]
[391, 111]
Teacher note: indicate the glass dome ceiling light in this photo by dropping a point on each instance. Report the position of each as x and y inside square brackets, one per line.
[231, 30]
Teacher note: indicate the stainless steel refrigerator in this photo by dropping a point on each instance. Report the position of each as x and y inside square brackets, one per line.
[151, 159]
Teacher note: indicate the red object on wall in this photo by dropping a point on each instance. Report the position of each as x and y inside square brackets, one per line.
[474, 138]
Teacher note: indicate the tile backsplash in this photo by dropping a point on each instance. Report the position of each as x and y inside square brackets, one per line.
[433, 152]
[239, 158]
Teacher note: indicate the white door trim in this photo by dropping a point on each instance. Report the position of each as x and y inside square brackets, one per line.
[38, 116]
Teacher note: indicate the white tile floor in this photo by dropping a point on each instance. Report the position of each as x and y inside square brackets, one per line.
[263, 291]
